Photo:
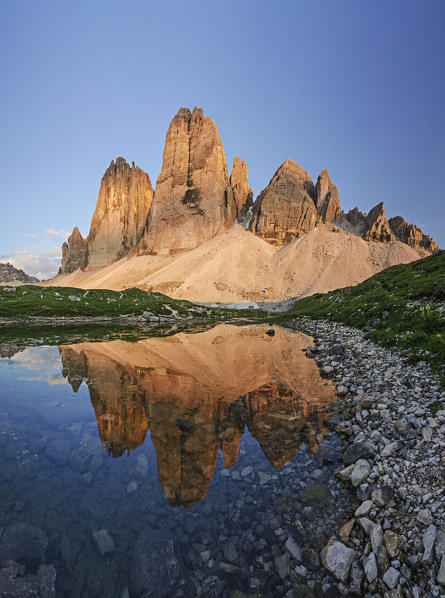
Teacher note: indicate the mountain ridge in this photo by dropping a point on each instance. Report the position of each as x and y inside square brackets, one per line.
[195, 200]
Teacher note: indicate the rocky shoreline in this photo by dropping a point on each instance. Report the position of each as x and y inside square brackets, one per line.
[394, 462]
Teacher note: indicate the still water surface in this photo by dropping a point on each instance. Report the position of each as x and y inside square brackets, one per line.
[199, 454]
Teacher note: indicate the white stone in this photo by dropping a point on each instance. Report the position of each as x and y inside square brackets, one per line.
[360, 473]
[337, 558]
[370, 567]
[364, 508]
[293, 549]
[391, 578]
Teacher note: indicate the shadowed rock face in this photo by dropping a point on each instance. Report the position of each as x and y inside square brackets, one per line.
[187, 389]
[74, 253]
[411, 234]
[120, 217]
[8, 273]
[285, 210]
[194, 199]
[242, 193]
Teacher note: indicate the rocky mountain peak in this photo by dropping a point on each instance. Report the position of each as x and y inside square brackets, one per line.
[327, 200]
[121, 212]
[74, 253]
[377, 226]
[285, 210]
[411, 234]
[11, 275]
[118, 168]
[242, 193]
[194, 199]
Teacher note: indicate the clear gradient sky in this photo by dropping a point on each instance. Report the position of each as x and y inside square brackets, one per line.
[354, 86]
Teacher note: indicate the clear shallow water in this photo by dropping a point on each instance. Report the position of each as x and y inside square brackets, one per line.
[197, 453]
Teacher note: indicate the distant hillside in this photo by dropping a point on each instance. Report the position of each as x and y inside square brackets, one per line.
[402, 306]
[11, 275]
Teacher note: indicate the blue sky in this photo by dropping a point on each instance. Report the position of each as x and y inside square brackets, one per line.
[353, 86]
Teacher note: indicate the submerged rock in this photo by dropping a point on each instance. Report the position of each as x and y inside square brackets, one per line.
[104, 541]
[23, 543]
[154, 566]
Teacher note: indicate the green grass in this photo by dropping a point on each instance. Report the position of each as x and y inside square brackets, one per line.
[392, 307]
[51, 302]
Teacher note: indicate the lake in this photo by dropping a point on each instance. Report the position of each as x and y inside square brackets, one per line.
[190, 464]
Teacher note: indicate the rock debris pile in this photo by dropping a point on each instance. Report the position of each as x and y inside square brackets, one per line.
[394, 459]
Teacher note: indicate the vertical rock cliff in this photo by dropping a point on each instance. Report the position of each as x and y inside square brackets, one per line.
[411, 234]
[74, 252]
[377, 226]
[285, 210]
[326, 198]
[118, 221]
[120, 217]
[242, 193]
[194, 199]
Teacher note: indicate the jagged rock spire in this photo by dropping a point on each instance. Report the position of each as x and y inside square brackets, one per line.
[194, 199]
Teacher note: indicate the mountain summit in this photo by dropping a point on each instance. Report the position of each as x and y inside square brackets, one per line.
[196, 205]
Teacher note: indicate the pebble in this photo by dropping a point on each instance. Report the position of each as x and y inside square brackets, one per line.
[393, 459]
[360, 472]
[364, 508]
[391, 578]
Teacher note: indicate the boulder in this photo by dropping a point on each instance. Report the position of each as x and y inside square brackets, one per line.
[358, 450]
[337, 559]
[154, 566]
[370, 566]
[23, 543]
[104, 541]
[393, 543]
[360, 473]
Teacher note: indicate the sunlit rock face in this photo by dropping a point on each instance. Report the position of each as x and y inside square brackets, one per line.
[375, 227]
[327, 200]
[118, 221]
[411, 234]
[120, 217]
[285, 209]
[115, 396]
[197, 393]
[194, 199]
[242, 193]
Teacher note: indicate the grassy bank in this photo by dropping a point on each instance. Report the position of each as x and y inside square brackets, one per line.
[32, 302]
[402, 306]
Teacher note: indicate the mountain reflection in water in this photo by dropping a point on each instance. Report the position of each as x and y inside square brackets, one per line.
[196, 393]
